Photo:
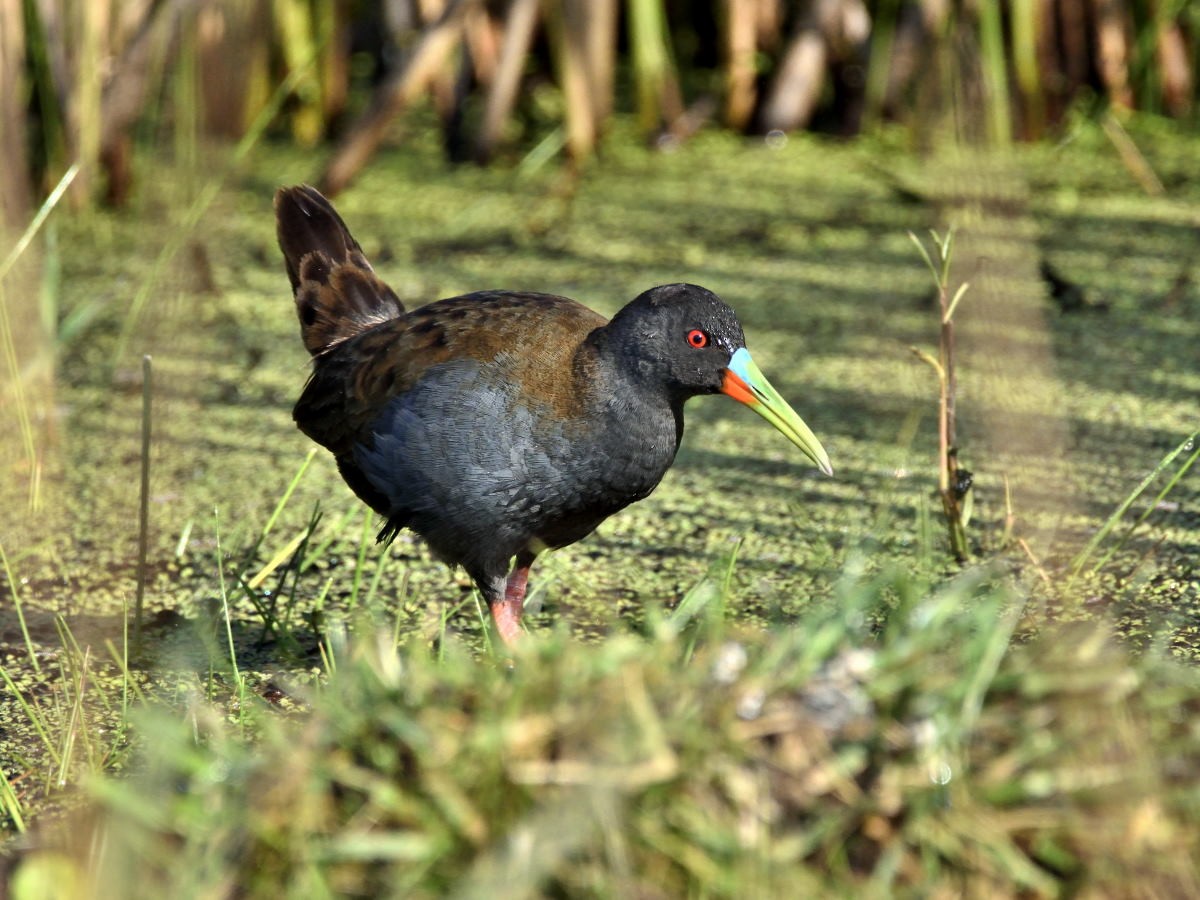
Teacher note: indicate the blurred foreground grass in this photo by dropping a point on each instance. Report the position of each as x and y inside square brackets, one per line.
[930, 752]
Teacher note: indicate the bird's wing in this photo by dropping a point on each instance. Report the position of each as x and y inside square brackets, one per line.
[531, 339]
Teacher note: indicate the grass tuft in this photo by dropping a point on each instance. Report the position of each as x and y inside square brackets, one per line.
[894, 744]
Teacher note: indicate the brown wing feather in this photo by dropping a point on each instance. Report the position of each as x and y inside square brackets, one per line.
[530, 338]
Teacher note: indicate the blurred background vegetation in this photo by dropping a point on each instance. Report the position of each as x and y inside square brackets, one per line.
[82, 80]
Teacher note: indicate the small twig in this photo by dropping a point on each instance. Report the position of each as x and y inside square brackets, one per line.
[1010, 516]
[1037, 566]
[1132, 157]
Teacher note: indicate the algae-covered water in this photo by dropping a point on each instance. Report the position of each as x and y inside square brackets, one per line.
[1071, 401]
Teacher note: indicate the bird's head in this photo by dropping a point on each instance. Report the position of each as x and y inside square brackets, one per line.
[683, 338]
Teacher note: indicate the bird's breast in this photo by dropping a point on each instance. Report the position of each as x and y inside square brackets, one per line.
[631, 445]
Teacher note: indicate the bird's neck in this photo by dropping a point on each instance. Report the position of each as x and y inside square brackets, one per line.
[626, 395]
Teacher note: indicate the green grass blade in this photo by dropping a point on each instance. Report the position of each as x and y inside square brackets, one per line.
[958, 295]
[1152, 506]
[1089, 550]
[75, 724]
[933, 270]
[708, 597]
[287, 494]
[364, 542]
[129, 684]
[16, 599]
[237, 675]
[10, 803]
[38, 220]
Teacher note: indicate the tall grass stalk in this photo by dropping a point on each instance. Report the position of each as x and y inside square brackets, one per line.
[37, 221]
[185, 88]
[287, 493]
[226, 615]
[130, 689]
[542, 152]
[300, 27]
[483, 612]
[75, 723]
[50, 287]
[995, 73]
[280, 505]
[954, 482]
[16, 378]
[44, 90]
[1133, 158]
[519, 25]
[377, 575]
[883, 34]
[658, 99]
[364, 542]
[399, 599]
[91, 19]
[567, 26]
[1024, 43]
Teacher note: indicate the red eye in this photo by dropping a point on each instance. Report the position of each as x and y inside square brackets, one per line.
[697, 338]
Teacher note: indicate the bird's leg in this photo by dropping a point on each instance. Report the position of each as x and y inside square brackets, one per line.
[506, 611]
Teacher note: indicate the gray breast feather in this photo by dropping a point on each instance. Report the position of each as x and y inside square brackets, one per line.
[464, 463]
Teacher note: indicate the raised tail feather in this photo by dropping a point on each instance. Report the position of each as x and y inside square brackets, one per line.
[337, 292]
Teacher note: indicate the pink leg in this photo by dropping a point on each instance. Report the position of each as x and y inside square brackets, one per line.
[506, 613]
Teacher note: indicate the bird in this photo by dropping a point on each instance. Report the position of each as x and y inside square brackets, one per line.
[502, 423]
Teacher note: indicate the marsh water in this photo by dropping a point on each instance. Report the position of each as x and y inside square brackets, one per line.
[1078, 356]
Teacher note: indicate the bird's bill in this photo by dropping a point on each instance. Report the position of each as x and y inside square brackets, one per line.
[745, 383]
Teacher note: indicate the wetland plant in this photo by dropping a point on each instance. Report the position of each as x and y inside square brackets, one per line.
[954, 481]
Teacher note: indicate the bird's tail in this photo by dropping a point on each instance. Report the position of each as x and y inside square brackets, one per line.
[337, 292]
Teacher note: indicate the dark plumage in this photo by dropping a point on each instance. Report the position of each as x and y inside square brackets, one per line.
[501, 423]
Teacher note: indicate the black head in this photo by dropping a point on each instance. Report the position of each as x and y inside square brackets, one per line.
[679, 336]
